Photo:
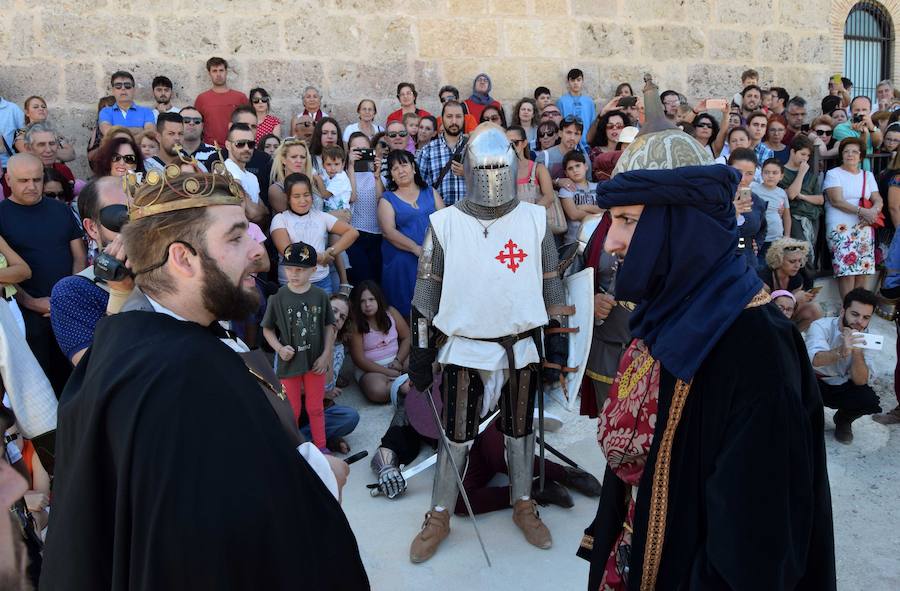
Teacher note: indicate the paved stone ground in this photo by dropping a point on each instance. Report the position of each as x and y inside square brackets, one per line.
[865, 485]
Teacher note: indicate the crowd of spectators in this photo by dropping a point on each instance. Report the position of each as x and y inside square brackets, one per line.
[818, 196]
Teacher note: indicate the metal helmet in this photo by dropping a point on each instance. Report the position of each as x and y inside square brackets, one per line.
[491, 166]
[659, 144]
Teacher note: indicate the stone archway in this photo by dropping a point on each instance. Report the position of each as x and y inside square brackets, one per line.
[840, 9]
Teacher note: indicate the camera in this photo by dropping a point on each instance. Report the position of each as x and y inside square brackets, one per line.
[106, 267]
[857, 118]
[366, 162]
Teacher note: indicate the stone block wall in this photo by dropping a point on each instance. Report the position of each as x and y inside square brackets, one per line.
[65, 50]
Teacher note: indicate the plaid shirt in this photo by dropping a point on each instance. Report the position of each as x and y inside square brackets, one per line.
[763, 153]
[431, 160]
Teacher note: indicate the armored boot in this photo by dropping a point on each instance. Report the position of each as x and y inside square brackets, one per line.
[520, 460]
[443, 500]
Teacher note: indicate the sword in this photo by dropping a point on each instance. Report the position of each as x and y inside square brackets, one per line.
[428, 462]
[445, 442]
[560, 454]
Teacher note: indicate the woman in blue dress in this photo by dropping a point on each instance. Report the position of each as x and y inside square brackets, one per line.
[403, 214]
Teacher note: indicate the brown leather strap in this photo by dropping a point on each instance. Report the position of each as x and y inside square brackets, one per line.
[562, 368]
[550, 274]
[561, 330]
[561, 310]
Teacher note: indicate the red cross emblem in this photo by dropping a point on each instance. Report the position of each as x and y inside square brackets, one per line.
[510, 257]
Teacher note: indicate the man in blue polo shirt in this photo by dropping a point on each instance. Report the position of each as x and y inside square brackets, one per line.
[125, 112]
[11, 119]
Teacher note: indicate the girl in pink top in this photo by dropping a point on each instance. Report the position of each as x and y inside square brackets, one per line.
[379, 343]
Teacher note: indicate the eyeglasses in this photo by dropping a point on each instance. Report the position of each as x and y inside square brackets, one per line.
[125, 85]
[614, 126]
[53, 195]
[192, 120]
[573, 119]
[245, 144]
[823, 132]
[260, 99]
[128, 158]
[546, 134]
[393, 134]
[706, 125]
[547, 114]
[447, 97]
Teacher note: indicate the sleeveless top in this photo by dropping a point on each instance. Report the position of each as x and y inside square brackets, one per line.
[381, 345]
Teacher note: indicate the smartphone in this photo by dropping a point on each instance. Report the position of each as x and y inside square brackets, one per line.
[804, 128]
[627, 101]
[815, 290]
[458, 157]
[744, 193]
[875, 342]
[716, 104]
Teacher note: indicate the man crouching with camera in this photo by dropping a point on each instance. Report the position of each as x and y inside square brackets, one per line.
[77, 303]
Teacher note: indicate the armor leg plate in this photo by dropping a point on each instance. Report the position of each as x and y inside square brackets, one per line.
[461, 391]
[517, 408]
[520, 460]
[445, 491]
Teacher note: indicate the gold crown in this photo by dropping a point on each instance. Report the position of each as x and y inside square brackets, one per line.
[197, 190]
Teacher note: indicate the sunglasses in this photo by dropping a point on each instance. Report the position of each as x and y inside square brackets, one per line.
[393, 134]
[382, 145]
[260, 99]
[706, 125]
[192, 120]
[823, 132]
[125, 85]
[614, 126]
[128, 158]
[447, 97]
[574, 119]
[245, 144]
[546, 133]
[53, 195]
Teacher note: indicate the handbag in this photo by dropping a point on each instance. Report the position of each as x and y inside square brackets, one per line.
[866, 203]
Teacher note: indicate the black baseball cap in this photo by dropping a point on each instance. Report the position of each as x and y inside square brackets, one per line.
[300, 254]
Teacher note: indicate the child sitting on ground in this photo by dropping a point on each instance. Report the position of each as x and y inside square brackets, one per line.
[298, 325]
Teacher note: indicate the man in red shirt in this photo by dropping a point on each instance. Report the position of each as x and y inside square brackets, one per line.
[217, 103]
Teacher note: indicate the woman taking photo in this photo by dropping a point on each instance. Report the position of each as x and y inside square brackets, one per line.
[268, 123]
[292, 156]
[403, 212]
[365, 111]
[609, 126]
[708, 132]
[365, 253]
[849, 223]
[785, 260]
[533, 183]
[119, 156]
[523, 116]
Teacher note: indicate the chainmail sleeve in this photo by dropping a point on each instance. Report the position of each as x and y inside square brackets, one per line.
[427, 294]
[554, 293]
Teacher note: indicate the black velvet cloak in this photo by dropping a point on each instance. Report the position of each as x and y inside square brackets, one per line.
[749, 503]
[173, 472]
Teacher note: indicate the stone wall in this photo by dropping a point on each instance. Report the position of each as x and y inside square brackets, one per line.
[65, 50]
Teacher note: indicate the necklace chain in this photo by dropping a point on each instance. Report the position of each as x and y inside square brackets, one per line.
[487, 226]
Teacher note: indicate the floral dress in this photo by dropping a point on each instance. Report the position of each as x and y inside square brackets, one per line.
[625, 433]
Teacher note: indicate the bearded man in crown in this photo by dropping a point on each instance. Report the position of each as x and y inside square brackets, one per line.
[178, 461]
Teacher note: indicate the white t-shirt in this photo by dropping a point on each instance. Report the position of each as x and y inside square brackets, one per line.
[246, 178]
[311, 228]
[354, 127]
[852, 187]
[340, 188]
[775, 199]
[581, 196]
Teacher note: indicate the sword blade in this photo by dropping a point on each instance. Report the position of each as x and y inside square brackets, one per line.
[445, 442]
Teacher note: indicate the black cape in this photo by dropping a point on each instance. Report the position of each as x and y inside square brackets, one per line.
[749, 499]
[173, 472]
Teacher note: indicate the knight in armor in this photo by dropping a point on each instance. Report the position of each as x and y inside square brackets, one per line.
[487, 283]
